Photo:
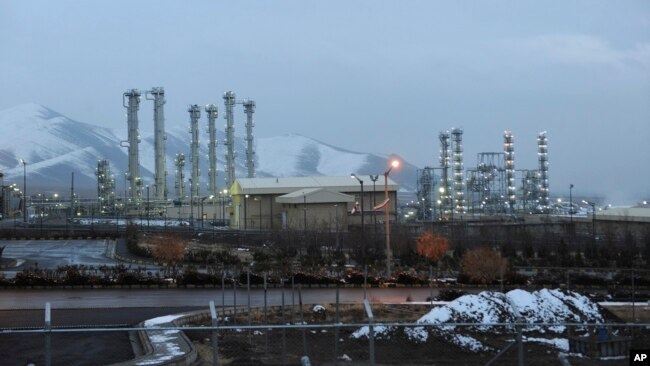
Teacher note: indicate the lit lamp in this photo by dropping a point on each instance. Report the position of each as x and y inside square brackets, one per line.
[393, 164]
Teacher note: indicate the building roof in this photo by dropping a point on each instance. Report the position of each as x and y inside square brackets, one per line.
[639, 214]
[284, 185]
[314, 195]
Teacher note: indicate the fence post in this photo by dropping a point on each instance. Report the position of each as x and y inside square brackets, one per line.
[520, 345]
[336, 329]
[284, 329]
[293, 300]
[215, 341]
[365, 281]
[223, 290]
[234, 300]
[302, 322]
[371, 332]
[431, 285]
[48, 335]
[266, 321]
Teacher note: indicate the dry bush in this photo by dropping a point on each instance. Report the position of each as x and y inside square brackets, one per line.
[168, 249]
[432, 246]
[483, 264]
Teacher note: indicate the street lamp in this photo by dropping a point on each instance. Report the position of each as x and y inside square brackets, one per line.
[354, 176]
[374, 178]
[571, 202]
[223, 206]
[148, 208]
[24, 190]
[202, 212]
[393, 164]
[593, 217]
[191, 205]
[245, 212]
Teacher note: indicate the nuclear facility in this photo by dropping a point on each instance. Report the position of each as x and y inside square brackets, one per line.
[492, 187]
[134, 186]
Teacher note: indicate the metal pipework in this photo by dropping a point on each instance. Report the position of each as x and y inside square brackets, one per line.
[459, 183]
[105, 187]
[195, 114]
[445, 194]
[249, 109]
[133, 96]
[180, 184]
[157, 94]
[542, 155]
[229, 101]
[212, 112]
[509, 151]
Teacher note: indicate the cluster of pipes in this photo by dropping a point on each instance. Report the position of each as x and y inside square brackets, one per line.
[489, 188]
[131, 101]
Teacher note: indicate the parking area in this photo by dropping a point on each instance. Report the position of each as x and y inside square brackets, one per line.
[49, 254]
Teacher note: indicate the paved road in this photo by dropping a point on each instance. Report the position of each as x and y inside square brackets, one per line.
[49, 254]
[135, 298]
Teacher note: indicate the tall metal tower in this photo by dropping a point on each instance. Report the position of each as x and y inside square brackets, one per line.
[509, 151]
[180, 176]
[135, 193]
[445, 193]
[105, 187]
[459, 182]
[195, 114]
[426, 185]
[249, 109]
[486, 184]
[229, 101]
[157, 94]
[212, 113]
[542, 155]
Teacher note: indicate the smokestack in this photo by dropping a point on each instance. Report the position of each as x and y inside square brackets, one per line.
[212, 113]
[249, 109]
[509, 151]
[542, 155]
[195, 114]
[229, 101]
[160, 173]
[135, 194]
[459, 183]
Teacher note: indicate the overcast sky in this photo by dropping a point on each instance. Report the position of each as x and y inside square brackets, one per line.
[373, 76]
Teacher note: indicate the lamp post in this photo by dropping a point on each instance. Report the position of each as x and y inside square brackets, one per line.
[374, 178]
[223, 206]
[593, 218]
[393, 164]
[191, 205]
[362, 221]
[245, 212]
[202, 212]
[148, 208]
[571, 202]
[24, 190]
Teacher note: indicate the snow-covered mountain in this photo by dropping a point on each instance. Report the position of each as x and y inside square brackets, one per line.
[54, 146]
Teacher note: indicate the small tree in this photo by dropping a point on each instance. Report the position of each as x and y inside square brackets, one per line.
[432, 246]
[483, 265]
[168, 249]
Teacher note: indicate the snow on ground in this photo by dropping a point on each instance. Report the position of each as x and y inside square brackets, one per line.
[544, 306]
[560, 343]
[165, 343]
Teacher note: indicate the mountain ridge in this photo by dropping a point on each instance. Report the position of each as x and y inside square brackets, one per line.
[54, 146]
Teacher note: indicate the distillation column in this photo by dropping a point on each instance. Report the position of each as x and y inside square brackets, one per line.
[105, 187]
[542, 155]
[249, 109]
[229, 101]
[445, 193]
[180, 184]
[212, 113]
[135, 193]
[509, 151]
[195, 114]
[160, 173]
[459, 183]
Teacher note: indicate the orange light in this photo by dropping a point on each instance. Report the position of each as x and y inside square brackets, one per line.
[395, 163]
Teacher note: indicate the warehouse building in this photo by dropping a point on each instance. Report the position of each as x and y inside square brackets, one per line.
[308, 203]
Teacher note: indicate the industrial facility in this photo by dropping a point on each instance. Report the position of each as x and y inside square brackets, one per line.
[493, 187]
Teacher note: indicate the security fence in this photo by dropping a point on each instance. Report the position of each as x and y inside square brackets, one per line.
[325, 335]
